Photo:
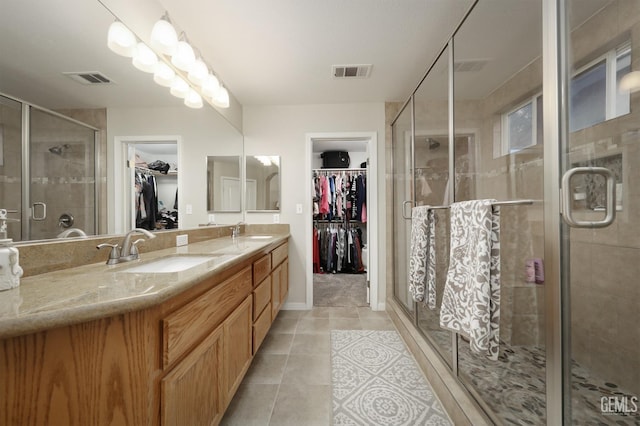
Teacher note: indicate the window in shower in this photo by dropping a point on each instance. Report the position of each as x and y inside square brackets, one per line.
[595, 93]
[522, 126]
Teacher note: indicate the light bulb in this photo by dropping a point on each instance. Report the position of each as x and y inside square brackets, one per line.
[121, 40]
[222, 98]
[144, 58]
[198, 72]
[164, 37]
[163, 74]
[179, 87]
[210, 86]
[193, 99]
[184, 57]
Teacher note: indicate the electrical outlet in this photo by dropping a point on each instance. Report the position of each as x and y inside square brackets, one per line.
[182, 240]
[189, 209]
[212, 218]
[299, 208]
[276, 218]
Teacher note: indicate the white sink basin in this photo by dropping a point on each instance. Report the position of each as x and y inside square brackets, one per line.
[170, 264]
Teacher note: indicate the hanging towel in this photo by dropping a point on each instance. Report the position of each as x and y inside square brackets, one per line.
[422, 258]
[471, 298]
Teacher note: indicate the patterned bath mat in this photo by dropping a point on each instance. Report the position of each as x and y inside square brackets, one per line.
[376, 382]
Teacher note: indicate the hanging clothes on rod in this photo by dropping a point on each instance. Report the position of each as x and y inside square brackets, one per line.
[337, 248]
[146, 199]
[340, 195]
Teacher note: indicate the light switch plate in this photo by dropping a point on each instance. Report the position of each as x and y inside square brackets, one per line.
[276, 218]
[182, 240]
[189, 209]
[299, 208]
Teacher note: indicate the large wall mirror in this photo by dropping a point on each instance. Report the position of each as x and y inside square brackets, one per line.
[55, 64]
[224, 187]
[262, 183]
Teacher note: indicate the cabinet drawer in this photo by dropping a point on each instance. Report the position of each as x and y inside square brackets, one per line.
[261, 268]
[279, 254]
[261, 297]
[188, 325]
[261, 328]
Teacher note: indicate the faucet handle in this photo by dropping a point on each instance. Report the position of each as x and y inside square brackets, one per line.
[134, 246]
[114, 254]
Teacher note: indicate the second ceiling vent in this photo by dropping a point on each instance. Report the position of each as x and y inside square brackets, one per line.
[351, 71]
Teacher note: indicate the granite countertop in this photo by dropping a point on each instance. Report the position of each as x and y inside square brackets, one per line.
[98, 290]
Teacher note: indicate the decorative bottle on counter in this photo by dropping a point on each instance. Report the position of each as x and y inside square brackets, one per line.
[10, 270]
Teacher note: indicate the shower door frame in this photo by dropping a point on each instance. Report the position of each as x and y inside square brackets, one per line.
[26, 211]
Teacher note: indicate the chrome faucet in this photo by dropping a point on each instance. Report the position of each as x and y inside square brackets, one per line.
[128, 250]
[235, 230]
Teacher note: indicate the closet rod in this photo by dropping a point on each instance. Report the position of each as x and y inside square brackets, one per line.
[497, 203]
[339, 170]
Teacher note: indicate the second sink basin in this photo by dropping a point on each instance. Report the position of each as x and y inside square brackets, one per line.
[176, 263]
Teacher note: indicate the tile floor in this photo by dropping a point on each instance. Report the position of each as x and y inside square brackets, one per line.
[289, 381]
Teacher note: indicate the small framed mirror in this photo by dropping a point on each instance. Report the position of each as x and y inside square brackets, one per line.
[224, 187]
[262, 183]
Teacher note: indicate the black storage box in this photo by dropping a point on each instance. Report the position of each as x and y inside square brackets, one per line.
[335, 160]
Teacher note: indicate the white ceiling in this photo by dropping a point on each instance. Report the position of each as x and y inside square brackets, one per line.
[281, 51]
[272, 52]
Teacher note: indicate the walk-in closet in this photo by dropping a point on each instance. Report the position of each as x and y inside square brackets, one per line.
[340, 232]
[154, 186]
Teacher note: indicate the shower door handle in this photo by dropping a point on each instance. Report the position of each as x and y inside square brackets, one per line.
[404, 209]
[44, 211]
[567, 202]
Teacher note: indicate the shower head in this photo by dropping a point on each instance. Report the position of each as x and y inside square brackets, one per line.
[433, 144]
[59, 149]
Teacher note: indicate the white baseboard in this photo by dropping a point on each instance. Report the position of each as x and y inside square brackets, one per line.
[295, 307]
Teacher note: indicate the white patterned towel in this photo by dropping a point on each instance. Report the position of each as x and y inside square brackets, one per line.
[422, 259]
[471, 298]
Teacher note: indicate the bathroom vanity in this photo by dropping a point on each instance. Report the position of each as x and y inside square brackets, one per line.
[140, 348]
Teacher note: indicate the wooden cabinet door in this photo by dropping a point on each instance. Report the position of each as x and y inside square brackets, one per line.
[193, 392]
[275, 292]
[284, 281]
[238, 344]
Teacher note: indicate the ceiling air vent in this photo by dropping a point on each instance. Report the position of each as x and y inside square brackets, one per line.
[89, 77]
[351, 71]
[469, 66]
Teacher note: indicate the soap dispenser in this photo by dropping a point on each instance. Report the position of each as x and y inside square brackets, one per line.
[10, 270]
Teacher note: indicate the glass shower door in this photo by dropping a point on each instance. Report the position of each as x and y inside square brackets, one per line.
[62, 190]
[602, 263]
[402, 203]
[11, 164]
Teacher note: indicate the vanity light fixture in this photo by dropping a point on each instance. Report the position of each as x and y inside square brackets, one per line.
[164, 37]
[179, 87]
[189, 78]
[184, 58]
[144, 58]
[193, 99]
[163, 74]
[121, 40]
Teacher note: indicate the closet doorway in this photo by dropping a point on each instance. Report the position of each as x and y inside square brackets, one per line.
[342, 222]
[151, 184]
